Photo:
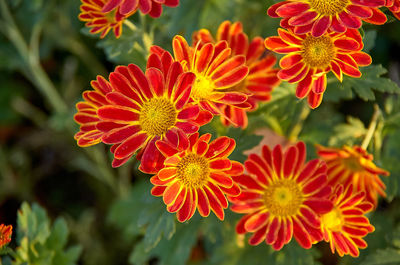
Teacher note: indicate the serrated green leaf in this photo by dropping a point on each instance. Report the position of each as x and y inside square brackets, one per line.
[371, 79]
[38, 244]
[175, 250]
[348, 133]
[131, 47]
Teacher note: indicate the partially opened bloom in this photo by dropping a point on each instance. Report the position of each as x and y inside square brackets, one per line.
[143, 108]
[319, 16]
[354, 166]
[216, 72]
[282, 197]
[262, 77]
[5, 234]
[345, 225]
[197, 174]
[394, 7]
[100, 21]
[87, 117]
[151, 7]
[309, 59]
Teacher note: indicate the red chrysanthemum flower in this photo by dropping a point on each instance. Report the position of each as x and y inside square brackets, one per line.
[216, 72]
[354, 166]
[317, 16]
[197, 174]
[143, 108]
[260, 81]
[282, 197]
[309, 59]
[5, 234]
[100, 21]
[394, 6]
[87, 117]
[345, 225]
[151, 7]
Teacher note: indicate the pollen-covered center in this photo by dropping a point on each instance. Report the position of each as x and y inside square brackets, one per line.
[193, 170]
[333, 220]
[328, 7]
[202, 88]
[318, 52]
[283, 198]
[157, 116]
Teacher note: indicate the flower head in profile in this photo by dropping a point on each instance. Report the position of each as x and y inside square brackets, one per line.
[282, 197]
[345, 225]
[354, 166]
[5, 234]
[197, 174]
[262, 77]
[100, 21]
[151, 7]
[394, 7]
[318, 16]
[310, 58]
[216, 72]
[87, 117]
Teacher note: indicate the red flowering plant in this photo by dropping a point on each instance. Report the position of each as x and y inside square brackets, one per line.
[214, 132]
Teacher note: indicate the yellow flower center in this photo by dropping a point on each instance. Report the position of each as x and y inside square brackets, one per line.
[283, 198]
[202, 88]
[333, 220]
[157, 116]
[318, 52]
[328, 7]
[193, 170]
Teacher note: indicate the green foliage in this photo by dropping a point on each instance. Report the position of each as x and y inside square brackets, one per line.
[386, 256]
[348, 133]
[39, 242]
[132, 47]
[244, 141]
[370, 80]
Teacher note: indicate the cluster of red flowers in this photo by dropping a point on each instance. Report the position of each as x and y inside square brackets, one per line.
[324, 199]
[155, 116]
[103, 15]
[320, 36]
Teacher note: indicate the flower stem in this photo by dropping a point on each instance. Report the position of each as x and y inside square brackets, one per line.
[299, 123]
[30, 57]
[371, 128]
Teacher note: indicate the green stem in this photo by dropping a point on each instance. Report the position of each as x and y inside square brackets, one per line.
[299, 123]
[30, 56]
[371, 128]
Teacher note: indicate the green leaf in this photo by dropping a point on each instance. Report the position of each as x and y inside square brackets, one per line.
[369, 40]
[39, 244]
[131, 47]
[348, 133]
[143, 214]
[175, 250]
[244, 142]
[370, 80]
